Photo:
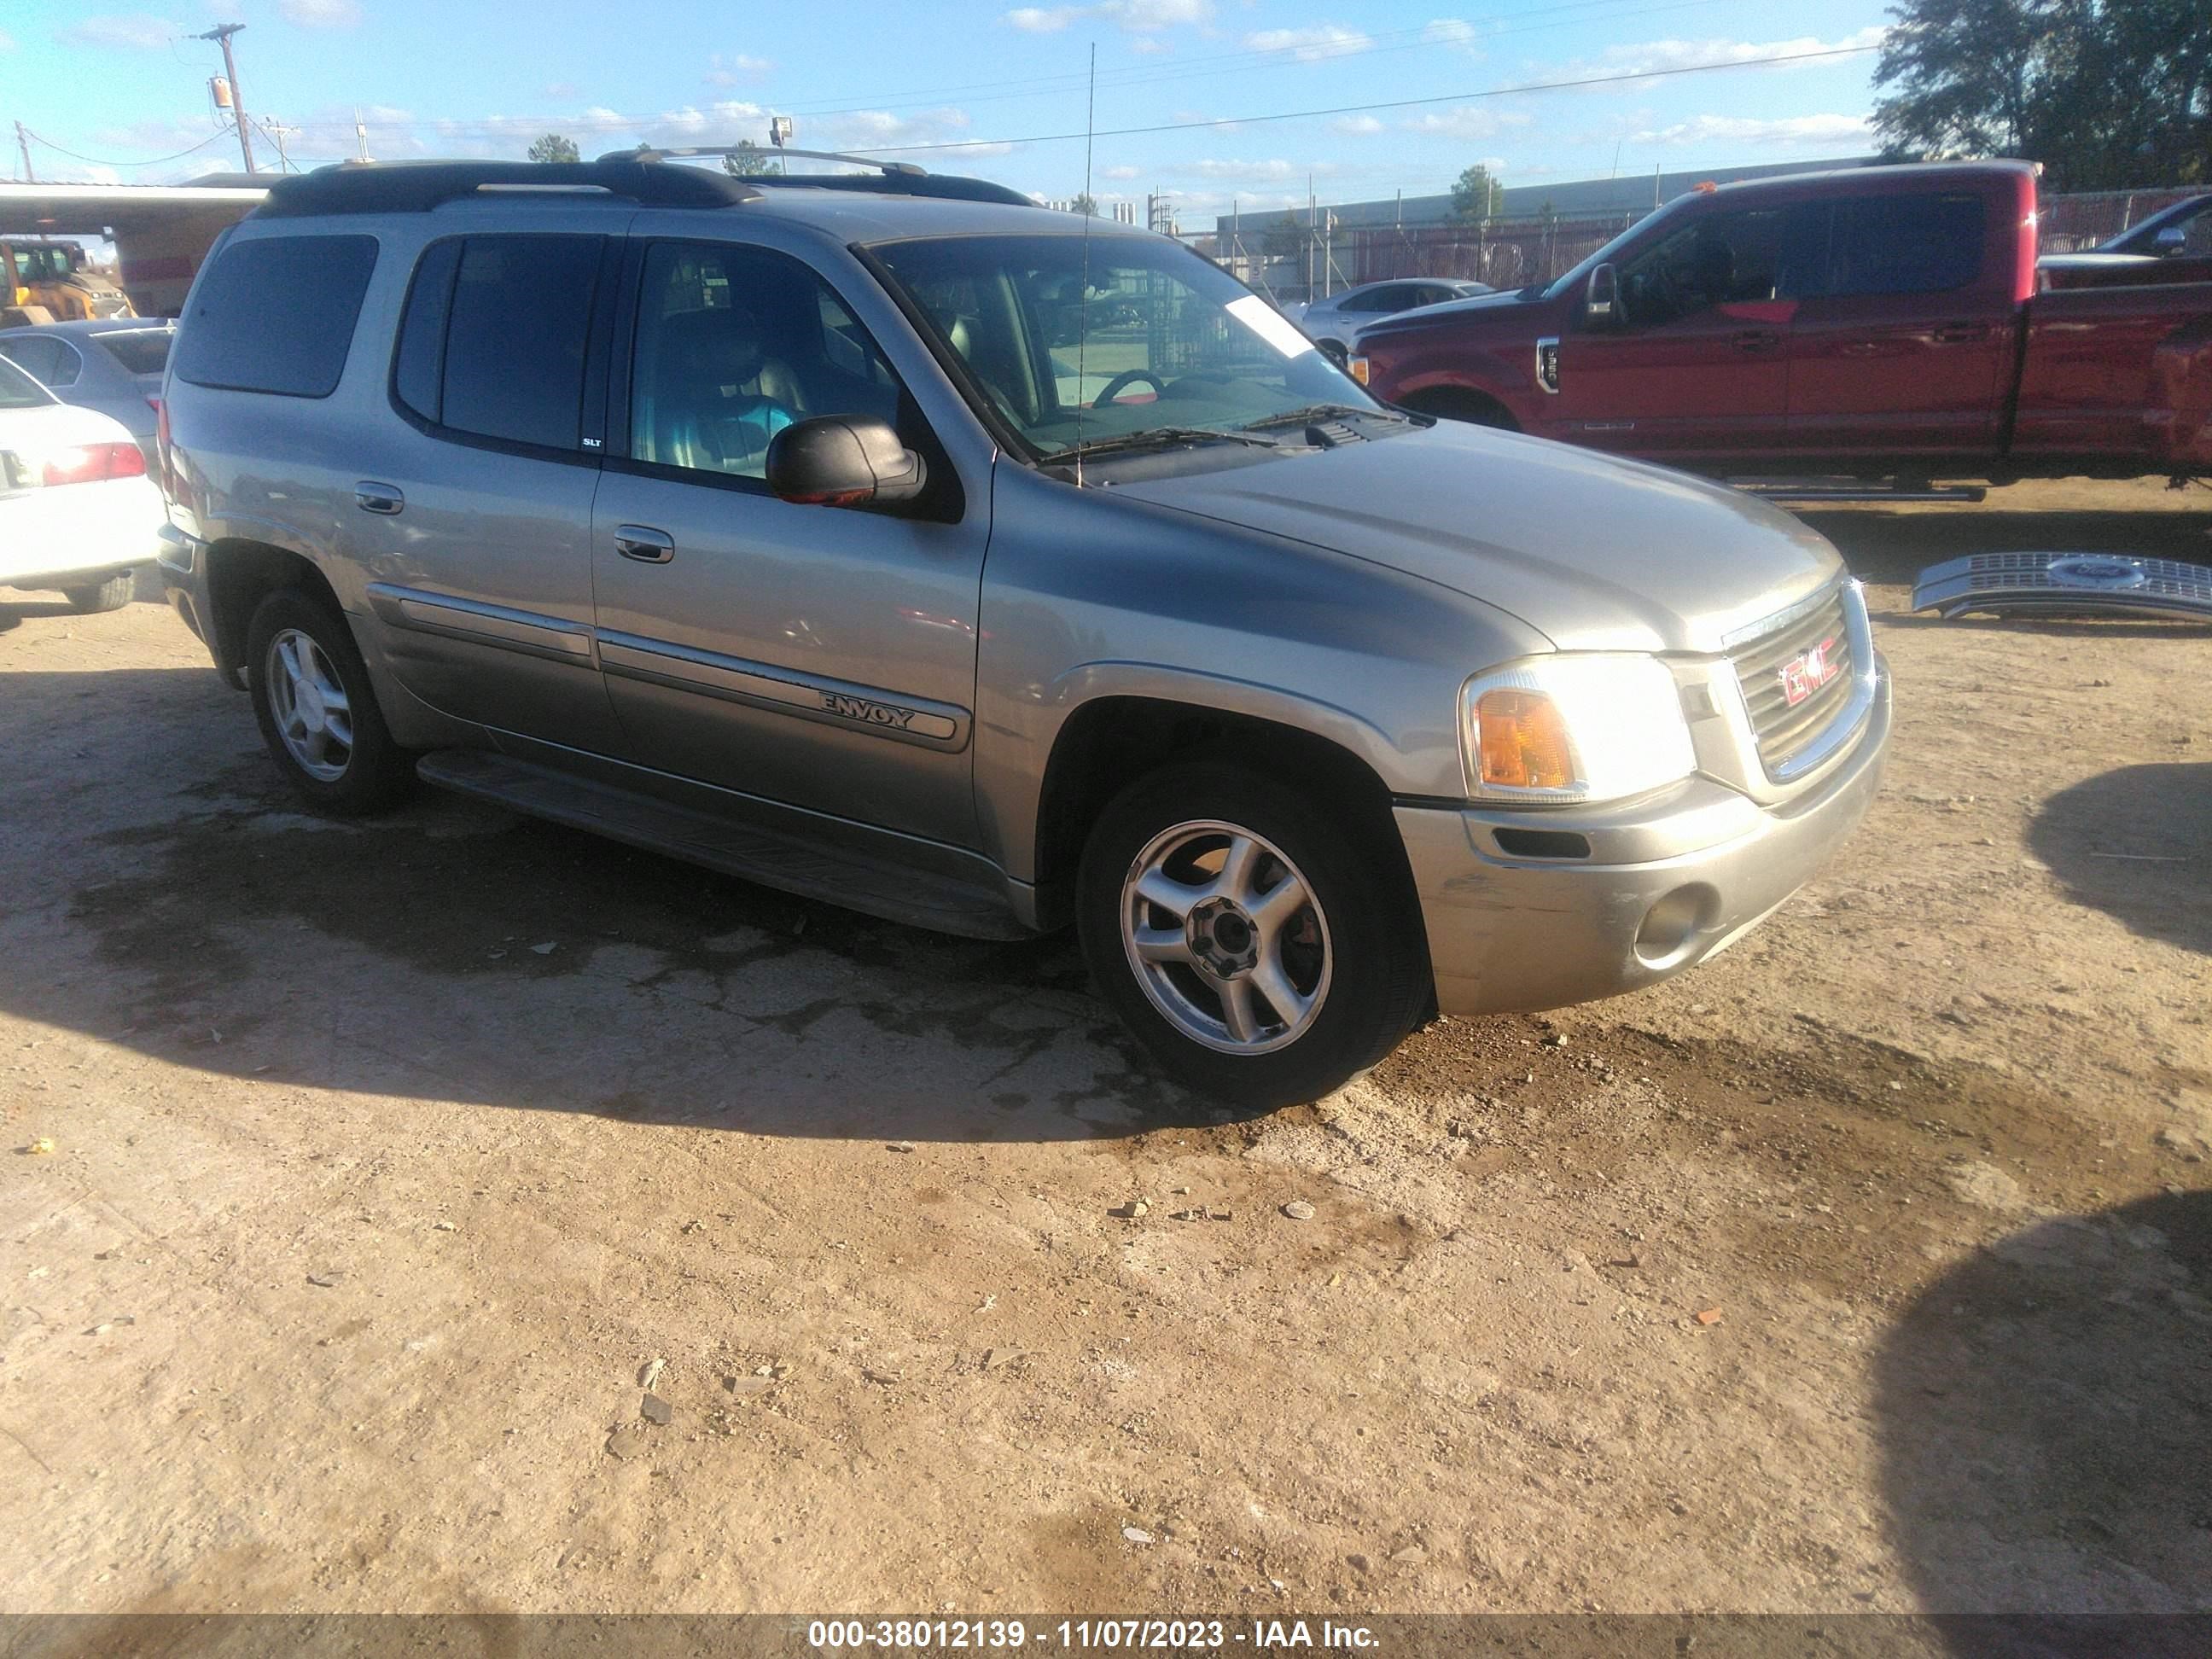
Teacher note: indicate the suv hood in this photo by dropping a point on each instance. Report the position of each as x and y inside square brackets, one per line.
[1593, 552]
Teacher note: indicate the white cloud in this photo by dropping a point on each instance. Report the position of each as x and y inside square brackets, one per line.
[564, 89]
[1146, 45]
[136, 31]
[1450, 32]
[1469, 121]
[1312, 45]
[1121, 171]
[7, 41]
[1275, 170]
[727, 70]
[1357, 126]
[320, 14]
[1144, 18]
[1648, 57]
[1814, 131]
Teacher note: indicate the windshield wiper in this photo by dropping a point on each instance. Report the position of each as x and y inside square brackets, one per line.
[1313, 412]
[1154, 437]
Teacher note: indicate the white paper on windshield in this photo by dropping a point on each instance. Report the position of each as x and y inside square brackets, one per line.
[1269, 324]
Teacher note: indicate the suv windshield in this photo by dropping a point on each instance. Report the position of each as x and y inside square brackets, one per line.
[1160, 341]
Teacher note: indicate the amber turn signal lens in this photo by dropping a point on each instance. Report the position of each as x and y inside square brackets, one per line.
[1357, 367]
[1524, 740]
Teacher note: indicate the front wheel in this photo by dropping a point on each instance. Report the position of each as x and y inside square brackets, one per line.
[1249, 940]
[317, 710]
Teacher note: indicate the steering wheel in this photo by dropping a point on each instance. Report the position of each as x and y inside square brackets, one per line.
[1123, 382]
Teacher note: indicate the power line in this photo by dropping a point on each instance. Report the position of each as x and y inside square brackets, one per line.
[1054, 85]
[152, 162]
[1395, 103]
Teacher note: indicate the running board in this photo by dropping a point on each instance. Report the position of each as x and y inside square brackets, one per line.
[1819, 490]
[838, 875]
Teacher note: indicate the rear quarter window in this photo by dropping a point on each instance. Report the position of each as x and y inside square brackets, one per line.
[1927, 244]
[276, 314]
[140, 350]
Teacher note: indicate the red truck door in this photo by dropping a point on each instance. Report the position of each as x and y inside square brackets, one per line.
[1906, 345]
[1699, 366]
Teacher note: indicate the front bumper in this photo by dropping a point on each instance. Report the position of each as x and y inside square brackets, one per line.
[1665, 883]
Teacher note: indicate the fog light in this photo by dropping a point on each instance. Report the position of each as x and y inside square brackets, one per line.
[1671, 926]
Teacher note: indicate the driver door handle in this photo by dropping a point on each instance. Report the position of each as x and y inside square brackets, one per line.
[644, 544]
[371, 496]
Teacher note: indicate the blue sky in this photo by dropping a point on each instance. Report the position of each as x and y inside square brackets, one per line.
[127, 90]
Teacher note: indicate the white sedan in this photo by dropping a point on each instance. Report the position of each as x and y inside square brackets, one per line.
[78, 510]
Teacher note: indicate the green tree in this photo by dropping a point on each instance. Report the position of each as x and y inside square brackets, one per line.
[1477, 195]
[1286, 238]
[555, 148]
[1086, 205]
[2108, 94]
[749, 161]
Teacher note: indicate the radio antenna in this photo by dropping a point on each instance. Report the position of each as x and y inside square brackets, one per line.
[1082, 302]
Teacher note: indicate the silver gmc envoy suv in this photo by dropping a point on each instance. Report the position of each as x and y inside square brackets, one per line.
[883, 538]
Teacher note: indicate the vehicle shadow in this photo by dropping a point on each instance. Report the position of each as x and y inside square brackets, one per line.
[194, 912]
[2132, 844]
[1884, 545]
[2045, 1431]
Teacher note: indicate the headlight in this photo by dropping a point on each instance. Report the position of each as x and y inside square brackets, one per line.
[1571, 728]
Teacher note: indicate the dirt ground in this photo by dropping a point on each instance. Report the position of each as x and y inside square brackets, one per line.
[1868, 1267]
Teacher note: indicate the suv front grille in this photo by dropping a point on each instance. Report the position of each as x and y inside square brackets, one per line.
[1781, 662]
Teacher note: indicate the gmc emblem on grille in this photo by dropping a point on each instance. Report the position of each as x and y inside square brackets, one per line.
[868, 714]
[1806, 673]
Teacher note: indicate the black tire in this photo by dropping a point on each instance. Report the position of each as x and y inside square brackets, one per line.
[110, 594]
[375, 772]
[1379, 979]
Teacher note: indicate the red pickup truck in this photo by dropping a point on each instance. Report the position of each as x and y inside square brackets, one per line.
[1877, 322]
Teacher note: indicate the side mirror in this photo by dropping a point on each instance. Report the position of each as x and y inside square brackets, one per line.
[2171, 239]
[843, 460]
[1602, 299]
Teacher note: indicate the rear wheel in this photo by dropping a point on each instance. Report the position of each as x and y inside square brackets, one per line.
[1260, 952]
[317, 710]
[112, 594]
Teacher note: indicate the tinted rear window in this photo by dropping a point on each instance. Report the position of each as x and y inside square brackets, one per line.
[276, 313]
[516, 328]
[1905, 244]
[140, 350]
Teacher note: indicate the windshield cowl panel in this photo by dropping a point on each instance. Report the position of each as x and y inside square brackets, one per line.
[1067, 340]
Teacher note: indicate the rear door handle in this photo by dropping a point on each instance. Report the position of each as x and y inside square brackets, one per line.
[1755, 339]
[644, 544]
[1962, 333]
[371, 496]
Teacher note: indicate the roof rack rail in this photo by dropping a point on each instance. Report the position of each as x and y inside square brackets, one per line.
[418, 186]
[892, 178]
[694, 151]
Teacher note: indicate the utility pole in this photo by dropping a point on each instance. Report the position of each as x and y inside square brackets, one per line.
[278, 132]
[360, 137]
[221, 34]
[23, 143]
